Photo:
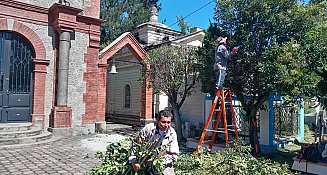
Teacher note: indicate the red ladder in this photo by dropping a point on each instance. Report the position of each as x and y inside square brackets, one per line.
[221, 95]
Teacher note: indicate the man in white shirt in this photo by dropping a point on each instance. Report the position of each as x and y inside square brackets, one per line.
[162, 133]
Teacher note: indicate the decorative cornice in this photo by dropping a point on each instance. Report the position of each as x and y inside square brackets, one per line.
[23, 12]
[24, 6]
[89, 20]
[65, 9]
[63, 17]
[93, 28]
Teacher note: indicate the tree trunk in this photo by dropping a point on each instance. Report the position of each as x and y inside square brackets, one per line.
[254, 140]
[178, 125]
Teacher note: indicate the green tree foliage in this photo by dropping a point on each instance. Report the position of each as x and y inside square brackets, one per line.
[316, 46]
[114, 160]
[183, 25]
[174, 73]
[207, 58]
[123, 15]
[274, 54]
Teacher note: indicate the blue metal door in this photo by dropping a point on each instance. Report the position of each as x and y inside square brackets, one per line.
[16, 77]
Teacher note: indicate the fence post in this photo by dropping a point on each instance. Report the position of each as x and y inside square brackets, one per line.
[301, 121]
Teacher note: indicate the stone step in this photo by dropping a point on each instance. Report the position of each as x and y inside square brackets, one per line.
[26, 140]
[12, 127]
[17, 134]
[34, 144]
[113, 125]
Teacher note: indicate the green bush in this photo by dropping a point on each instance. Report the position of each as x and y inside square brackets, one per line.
[232, 161]
[114, 160]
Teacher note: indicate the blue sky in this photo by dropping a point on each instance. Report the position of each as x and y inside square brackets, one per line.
[173, 8]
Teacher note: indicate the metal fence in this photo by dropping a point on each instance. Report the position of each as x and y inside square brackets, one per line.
[286, 120]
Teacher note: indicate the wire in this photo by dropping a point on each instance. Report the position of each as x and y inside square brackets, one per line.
[192, 12]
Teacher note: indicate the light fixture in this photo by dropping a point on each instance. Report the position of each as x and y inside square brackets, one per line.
[113, 68]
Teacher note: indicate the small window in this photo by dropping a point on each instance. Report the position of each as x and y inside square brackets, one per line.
[127, 96]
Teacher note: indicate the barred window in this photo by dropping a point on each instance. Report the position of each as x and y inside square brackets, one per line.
[127, 96]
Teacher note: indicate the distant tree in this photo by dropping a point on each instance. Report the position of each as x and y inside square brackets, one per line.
[183, 25]
[272, 56]
[316, 47]
[174, 72]
[123, 15]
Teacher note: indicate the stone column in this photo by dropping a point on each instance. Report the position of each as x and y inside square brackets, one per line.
[63, 68]
[63, 20]
[62, 113]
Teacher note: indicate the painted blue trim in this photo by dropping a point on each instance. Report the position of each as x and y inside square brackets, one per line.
[265, 149]
[271, 120]
[208, 97]
[301, 122]
[274, 97]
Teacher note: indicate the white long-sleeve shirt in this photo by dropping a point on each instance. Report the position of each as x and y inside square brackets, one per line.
[152, 133]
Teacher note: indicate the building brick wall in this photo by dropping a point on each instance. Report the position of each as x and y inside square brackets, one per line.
[92, 8]
[76, 84]
[81, 4]
[101, 92]
[90, 96]
[33, 23]
[47, 35]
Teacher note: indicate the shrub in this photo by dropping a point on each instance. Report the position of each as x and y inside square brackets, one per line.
[236, 160]
[231, 161]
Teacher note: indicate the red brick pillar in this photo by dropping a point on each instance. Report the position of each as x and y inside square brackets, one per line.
[39, 91]
[90, 77]
[102, 92]
[146, 101]
[95, 78]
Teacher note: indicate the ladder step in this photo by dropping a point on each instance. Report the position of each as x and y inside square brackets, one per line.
[211, 130]
[220, 130]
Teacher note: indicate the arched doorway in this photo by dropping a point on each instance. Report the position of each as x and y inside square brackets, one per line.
[16, 78]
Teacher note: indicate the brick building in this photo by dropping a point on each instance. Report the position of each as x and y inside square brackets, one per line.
[130, 100]
[49, 64]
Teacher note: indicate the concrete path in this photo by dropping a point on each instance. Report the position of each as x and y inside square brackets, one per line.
[66, 156]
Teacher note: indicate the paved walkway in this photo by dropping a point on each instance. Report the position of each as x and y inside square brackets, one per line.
[66, 156]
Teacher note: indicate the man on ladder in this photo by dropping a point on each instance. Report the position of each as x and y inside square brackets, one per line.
[221, 57]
